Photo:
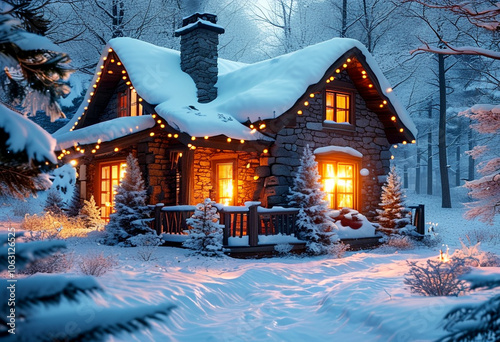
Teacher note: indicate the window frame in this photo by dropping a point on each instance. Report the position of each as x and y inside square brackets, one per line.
[215, 179]
[125, 97]
[336, 159]
[350, 123]
[100, 166]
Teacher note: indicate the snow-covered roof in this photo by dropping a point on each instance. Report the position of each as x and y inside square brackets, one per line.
[25, 135]
[258, 91]
[105, 131]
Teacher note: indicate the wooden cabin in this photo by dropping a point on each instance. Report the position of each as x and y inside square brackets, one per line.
[202, 126]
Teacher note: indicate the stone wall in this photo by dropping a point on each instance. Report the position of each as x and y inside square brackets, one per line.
[203, 173]
[368, 138]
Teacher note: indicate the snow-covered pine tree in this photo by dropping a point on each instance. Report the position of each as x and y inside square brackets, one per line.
[393, 215]
[54, 203]
[47, 304]
[75, 204]
[91, 214]
[130, 207]
[313, 223]
[205, 236]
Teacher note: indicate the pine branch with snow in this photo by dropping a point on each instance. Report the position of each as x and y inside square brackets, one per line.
[54, 203]
[75, 204]
[313, 222]
[130, 207]
[205, 235]
[485, 190]
[393, 215]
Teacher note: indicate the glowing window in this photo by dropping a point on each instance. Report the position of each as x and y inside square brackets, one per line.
[129, 104]
[224, 179]
[110, 176]
[339, 184]
[337, 107]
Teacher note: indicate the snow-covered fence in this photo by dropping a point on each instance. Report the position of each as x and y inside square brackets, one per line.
[251, 220]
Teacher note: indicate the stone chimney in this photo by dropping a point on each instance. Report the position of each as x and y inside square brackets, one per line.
[199, 40]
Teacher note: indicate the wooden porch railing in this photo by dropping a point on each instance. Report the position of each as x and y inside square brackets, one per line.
[250, 221]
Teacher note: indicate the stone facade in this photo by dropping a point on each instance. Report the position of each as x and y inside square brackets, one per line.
[367, 136]
[247, 163]
[199, 43]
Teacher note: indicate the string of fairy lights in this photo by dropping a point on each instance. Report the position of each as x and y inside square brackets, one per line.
[260, 125]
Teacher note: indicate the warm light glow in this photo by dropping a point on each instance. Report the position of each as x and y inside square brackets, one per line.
[152, 134]
[193, 147]
[102, 66]
[393, 118]
[110, 72]
[299, 112]
[94, 86]
[119, 63]
[193, 138]
[262, 126]
[413, 141]
[140, 99]
[348, 60]
[169, 135]
[253, 130]
[395, 146]
[124, 77]
[404, 142]
[384, 102]
[401, 130]
[154, 116]
[381, 105]
[337, 71]
[363, 72]
[370, 86]
[338, 184]
[266, 150]
[306, 103]
[82, 150]
[104, 58]
[116, 149]
[205, 137]
[159, 121]
[93, 151]
[88, 100]
[99, 141]
[252, 126]
[176, 135]
[162, 126]
[255, 177]
[388, 90]
[97, 147]
[392, 157]
[228, 139]
[225, 188]
[327, 81]
[73, 162]
[332, 78]
[311, 95]
[364, 76]
[124, 72]
[242, 141]
[128, 83]
[444, 253]
[344, 65]
[78, 148]
[112, 60]
[110, 50]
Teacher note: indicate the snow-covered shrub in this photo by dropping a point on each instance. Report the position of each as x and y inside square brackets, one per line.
[48, 225]
[75, 204]
[484, 235]
[313, 223]
[338, 249]
[475, 321]
[283, 248]
[473, 256]
[351, 224]
[437, 278]
[54, 203]
[205, 235]
[21, 206]
[400, 242]
[96, 264]
[130, 207]
[64, 182]
[91, 215]
[57, 263]
[393, 216]
[146, 244]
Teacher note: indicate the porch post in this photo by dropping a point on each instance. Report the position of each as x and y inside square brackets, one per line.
[158, 219]
[253, 225]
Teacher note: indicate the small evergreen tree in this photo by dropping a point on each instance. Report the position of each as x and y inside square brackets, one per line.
[91, 214]
[54, 203]
[205, 236]
[313, 223]
[75, 204]
[130, 207]
[393, 215]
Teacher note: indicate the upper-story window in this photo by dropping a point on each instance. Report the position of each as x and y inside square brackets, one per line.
[338, 107]
[129, 103]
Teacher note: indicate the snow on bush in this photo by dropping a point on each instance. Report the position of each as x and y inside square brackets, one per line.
[393, 216]
[91, 215]
[338, 249]
[146, 244]
[96, 264]
[64, 182]
[400, 242]
[283, 248]
[54, 203]
[437, 278]
[351, 224]
[205, 234]
[57, 263]
[130, 207]
[48, 225]
[313, 223]
[473, 256]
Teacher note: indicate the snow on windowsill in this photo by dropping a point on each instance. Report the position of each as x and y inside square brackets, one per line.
[339, 149]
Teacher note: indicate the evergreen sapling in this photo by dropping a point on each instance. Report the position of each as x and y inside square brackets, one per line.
[393, 215]
[54, 203]
[205, 236]
[313, 223]
[91, 214]
[130, 207]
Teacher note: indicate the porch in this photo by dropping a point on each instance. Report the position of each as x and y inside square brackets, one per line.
[249, 231]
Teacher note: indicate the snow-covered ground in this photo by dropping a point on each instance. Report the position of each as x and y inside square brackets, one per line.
[360, 297]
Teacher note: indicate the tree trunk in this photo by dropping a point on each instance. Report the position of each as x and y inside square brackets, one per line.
[429, 155]
[118, 13]
[343, 30]
[471, 160]
[405, 177]
[367, 27]
[417, 172]
[443, 160]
